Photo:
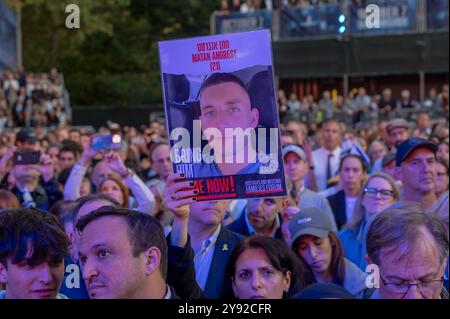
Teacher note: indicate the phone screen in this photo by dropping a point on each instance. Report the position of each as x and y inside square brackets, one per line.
[107, 142]
[27, 158]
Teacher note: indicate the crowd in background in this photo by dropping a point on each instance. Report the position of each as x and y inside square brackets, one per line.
[359, 108]
[245, 6]
[355, 195]
[32, 99]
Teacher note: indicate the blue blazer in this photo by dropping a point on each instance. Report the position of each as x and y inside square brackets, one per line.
[217, 285]
[337, 204]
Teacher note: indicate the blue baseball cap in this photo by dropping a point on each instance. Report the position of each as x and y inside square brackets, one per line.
[324, 291]
[405, 148]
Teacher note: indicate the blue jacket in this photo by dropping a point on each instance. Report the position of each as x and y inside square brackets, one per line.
[337, 204]
[354, 245]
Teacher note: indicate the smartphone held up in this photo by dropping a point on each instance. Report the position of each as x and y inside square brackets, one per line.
[107, 142]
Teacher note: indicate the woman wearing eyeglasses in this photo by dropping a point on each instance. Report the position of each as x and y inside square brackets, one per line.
[379, 192]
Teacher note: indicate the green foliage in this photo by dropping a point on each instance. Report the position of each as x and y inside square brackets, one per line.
[113, 57]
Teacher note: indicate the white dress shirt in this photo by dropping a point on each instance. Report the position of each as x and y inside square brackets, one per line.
[320, 161]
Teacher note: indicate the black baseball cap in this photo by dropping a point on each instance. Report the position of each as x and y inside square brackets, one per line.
[26, 135]
[405, 148]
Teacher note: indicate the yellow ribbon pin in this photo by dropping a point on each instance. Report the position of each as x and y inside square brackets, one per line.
[225, 247]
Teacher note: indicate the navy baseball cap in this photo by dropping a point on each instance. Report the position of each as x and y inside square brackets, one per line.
[405, 148]
[27, 135]
[324, 291]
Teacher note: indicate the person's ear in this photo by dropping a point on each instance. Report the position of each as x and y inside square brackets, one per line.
[233, 285]
[3, 274]
[254, 113]
[152, 260]
[287, 282]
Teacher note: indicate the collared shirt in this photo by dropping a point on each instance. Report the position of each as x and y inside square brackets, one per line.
[350, 203]
[168, 294]
[320, 159]
[203, 259]
[252, 230]
[39, 196]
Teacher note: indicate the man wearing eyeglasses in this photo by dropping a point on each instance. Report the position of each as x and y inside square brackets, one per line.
[410, 250]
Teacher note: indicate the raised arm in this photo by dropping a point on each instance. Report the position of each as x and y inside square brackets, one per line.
[73, 183]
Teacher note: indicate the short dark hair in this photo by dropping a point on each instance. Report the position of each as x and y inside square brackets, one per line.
[80, 202]
[67, 149]
[144, 231]
[64, 175]
[62, 208]
[71, 146]
[281, 256]
[219, 78]
[402, 225]
[351, 155]
[22, 229]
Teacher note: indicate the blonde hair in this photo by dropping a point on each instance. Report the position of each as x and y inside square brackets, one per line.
[360, 211]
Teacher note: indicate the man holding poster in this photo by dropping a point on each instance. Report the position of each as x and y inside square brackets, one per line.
[222, 116]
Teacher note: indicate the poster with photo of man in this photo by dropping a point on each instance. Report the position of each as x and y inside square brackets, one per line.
[221, 113]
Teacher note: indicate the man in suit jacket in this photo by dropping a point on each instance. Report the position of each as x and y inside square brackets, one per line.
[351, 172]
[261, 216]
[216, 285]
[212, 243]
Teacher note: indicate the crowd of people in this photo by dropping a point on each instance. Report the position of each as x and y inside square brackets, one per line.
[246, 6]
[89, 223]
[31, 99]
[359, 108]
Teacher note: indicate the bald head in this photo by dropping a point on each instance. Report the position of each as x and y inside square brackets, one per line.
[161, 161]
